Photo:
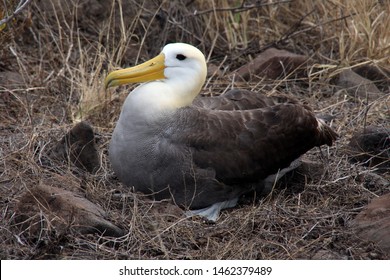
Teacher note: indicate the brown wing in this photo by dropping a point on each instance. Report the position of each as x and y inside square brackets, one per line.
[236, 99]
[239, 99]
[246, 146]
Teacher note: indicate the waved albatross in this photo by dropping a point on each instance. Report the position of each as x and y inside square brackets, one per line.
[204, 152]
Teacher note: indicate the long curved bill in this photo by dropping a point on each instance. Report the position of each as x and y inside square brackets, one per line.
[148, 71]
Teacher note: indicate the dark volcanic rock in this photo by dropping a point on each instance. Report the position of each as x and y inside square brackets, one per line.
[78, 146]
[371, 146]
[357, 86]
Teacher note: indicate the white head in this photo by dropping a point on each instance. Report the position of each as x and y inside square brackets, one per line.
[172, 79]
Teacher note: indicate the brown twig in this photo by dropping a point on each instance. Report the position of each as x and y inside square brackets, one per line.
[21, 6]
[292, 32]
[240, 8]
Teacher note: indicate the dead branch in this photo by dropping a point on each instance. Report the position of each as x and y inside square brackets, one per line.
[21, 6]
[240, 8]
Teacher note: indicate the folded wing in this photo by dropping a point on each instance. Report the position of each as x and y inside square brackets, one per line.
[249, 145]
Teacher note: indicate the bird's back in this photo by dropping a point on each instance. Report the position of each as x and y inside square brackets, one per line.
[216, 149]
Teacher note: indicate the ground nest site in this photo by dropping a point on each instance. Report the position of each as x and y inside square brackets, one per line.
[56, 203]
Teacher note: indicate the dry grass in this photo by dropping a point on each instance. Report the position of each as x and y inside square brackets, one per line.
[63, 52]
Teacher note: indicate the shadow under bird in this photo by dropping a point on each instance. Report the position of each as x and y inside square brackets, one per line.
[204, 152]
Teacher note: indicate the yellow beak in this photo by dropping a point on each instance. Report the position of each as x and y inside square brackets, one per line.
[148, 71]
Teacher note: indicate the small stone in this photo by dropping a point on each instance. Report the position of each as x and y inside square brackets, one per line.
[357, 86]
[311, 169]
[371, 146]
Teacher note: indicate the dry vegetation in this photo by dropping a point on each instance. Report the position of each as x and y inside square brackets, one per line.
[59, 53]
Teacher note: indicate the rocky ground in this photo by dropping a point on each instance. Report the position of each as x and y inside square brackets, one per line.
[59, 198]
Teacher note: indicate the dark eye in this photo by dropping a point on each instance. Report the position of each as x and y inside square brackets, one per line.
[181, 57]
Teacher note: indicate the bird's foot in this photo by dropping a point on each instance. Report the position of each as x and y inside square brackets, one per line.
[211, 213]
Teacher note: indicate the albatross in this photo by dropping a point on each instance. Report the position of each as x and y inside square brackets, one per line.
[203, 153]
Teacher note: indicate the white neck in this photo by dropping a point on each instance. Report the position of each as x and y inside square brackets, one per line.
[160, 97]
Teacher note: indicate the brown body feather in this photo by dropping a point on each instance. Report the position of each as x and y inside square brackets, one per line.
[218, 148]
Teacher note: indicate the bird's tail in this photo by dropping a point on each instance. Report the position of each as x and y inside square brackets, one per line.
[326, 134]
